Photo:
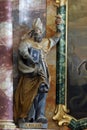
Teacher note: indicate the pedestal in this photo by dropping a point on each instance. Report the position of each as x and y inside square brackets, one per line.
[7, 125]
[33, 125]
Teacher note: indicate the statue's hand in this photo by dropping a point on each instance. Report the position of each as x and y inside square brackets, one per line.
[40, 72]
[58, 20]
[37, 70]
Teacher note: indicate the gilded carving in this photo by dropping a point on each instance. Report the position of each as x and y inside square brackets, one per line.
[61, 115]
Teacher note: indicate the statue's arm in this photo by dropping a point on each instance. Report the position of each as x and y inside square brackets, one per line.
[55, 39]
[26, 63]
[23, 51]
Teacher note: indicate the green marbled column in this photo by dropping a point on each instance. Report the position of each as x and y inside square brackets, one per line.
[60, 64]
[78, 124]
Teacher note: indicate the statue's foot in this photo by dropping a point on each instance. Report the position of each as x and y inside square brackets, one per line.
[42, 119]
[30, 120]
[20, 121]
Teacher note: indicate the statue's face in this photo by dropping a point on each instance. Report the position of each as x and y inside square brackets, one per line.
[38, 35]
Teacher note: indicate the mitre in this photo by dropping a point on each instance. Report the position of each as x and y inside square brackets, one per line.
[37, 24]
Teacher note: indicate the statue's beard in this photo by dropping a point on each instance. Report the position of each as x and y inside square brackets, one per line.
[37, 38]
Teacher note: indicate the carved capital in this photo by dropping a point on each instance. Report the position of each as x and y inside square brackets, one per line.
[57, 1]
[63, 2]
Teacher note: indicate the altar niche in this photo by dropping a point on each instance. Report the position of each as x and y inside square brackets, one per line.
[23, 16]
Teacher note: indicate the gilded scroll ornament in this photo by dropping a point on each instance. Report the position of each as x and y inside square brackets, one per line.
[61, 115]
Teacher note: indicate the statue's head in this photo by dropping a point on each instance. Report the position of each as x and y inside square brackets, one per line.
[38, 30]
[37, 25]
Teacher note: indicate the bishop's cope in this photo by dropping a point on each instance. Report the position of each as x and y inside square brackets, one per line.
[31, 92]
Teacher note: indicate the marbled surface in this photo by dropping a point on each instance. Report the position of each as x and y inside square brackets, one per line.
[51, 60]
[6, 82]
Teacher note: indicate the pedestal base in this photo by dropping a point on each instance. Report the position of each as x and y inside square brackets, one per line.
[33, 125]
[7, 125]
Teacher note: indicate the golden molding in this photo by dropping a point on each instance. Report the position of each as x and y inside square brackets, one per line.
[61, 2]
[57, 1]
[61, 115]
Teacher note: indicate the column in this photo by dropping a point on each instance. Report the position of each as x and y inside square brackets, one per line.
[6, 78]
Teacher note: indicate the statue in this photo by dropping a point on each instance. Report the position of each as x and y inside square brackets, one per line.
[30, 95]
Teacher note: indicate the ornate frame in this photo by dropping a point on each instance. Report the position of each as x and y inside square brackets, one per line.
[61, 113]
